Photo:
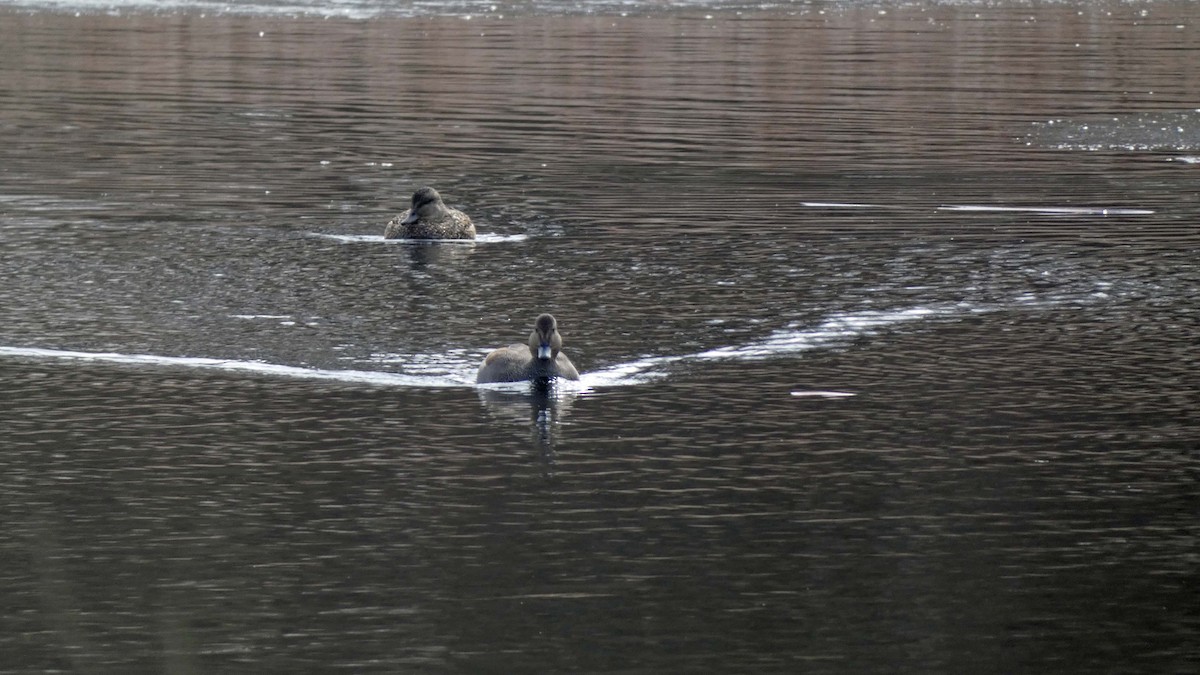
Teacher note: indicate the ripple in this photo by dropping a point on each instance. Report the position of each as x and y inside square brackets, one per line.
[1143, 131]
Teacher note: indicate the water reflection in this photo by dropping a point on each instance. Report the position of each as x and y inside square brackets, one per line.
[541, 408]
[424, 254]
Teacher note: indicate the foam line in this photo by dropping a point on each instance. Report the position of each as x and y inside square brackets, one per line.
[255, 367]
[984, 208]
[352, 11]
[836, 329]
[1049, 210]
[486, 238]
[845, 205]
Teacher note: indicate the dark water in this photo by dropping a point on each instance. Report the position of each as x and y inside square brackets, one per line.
[887, 316]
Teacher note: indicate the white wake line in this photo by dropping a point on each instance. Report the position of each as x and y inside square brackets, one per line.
[836, 330]
[982, 208]
[1052, 210]
[783, 342]
[484, 238]
[256, 367]
[215, 7]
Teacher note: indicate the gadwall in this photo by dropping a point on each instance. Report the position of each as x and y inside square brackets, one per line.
[539, 360]
[429, 218]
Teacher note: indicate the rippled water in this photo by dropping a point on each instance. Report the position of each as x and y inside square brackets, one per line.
[886, 316]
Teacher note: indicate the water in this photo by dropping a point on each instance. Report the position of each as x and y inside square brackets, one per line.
[886, 317]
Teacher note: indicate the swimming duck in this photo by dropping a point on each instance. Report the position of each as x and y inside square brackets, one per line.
[539, 360]
[429, 218]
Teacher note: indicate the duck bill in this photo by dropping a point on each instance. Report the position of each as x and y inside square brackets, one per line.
[410, 218]
[544, 352]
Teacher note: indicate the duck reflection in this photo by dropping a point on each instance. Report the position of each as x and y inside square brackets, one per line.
[424, 252]
[542, 406]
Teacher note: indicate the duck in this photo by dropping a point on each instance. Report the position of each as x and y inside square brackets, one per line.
[429, 218]
[540, 360]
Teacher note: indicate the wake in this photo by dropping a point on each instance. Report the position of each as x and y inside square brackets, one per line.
[253, 367]
[482, 238]
[457, 367]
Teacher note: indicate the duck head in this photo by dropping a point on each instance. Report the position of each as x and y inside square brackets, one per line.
[426, 204]
[545, 341]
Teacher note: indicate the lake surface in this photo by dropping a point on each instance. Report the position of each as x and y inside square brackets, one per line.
[887, 316]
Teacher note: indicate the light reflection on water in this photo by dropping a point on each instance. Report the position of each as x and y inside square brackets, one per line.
[879, 372]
